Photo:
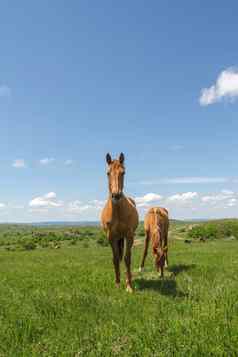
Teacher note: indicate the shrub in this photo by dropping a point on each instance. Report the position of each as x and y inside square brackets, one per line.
[73, 242]
[10, 249]
[215, 230]
[44, 244]
[29, 246]
[103, 241]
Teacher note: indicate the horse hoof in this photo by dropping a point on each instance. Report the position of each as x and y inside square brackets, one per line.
[129, 289]
[141, 270]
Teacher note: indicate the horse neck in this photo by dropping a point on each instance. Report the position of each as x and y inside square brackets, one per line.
[156, 232]
[156, 237]
[116, 207]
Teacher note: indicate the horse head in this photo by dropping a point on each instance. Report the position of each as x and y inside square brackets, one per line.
[115, 173]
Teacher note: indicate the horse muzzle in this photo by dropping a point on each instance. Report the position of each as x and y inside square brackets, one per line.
[116, 197]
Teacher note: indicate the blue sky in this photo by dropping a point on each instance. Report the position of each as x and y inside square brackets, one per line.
[155, 80]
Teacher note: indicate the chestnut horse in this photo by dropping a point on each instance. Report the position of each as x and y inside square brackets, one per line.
[119, 218]
[156, 226]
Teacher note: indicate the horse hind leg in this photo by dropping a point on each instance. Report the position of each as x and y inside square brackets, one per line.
[147, 240]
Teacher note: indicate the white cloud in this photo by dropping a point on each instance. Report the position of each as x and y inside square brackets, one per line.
[183, 205]
[209, 198]
[227, 192]
[79, 207]
[47, 201]
[50, 195]
[145, 200]
[186, 180]
[75, 206]
[5, 91]
[97, 203]
[232, 202]
[214, 199]
[226, 86]
[182, 197]
[19, 164]
[68, 162]
[47, 161]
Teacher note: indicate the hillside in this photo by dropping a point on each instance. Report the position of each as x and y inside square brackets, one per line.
[57, 297]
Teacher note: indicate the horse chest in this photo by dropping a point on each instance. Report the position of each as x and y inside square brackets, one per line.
[118, 227]
[119, 220]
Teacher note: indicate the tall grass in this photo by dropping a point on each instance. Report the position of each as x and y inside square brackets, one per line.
[63, 303]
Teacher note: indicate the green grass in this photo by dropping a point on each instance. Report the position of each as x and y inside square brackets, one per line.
[218, 229]
[62, 302]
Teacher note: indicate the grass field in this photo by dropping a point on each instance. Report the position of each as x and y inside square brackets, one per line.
[62, 302]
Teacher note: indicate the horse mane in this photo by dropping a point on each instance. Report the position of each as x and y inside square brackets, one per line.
[157, 214]
[131, 201]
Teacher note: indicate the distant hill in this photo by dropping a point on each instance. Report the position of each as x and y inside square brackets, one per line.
[65, 223]
[91, 223]
[97, 223]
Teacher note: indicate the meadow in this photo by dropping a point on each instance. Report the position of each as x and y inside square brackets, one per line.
[57, 295]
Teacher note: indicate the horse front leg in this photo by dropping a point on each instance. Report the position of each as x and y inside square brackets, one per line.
[166, 260]
[147, 241]
[127, 259]
[116, 261]
[162, 271]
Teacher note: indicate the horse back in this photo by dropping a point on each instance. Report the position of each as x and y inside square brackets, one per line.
[156, 216]
[132, 213]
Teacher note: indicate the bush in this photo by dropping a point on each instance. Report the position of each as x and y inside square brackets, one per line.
[103, 241]
[141, 233]
[44, 244]
[215, 230]
[73, 242]
[29, 246]
[207, 231]
[10, 249]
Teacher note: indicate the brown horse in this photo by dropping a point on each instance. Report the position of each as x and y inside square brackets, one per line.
[119, 218]
[156, 226]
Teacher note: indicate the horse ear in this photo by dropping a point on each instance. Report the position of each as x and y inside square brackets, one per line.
[121, 158]
[108, 158]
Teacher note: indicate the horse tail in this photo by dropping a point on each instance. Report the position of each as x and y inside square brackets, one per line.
[157, 239]
[121, 248]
